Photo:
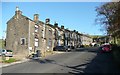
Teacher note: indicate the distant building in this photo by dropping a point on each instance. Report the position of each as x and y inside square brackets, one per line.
[86, 39]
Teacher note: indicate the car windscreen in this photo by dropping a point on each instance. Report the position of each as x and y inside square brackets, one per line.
[9, 50]
[107, 46]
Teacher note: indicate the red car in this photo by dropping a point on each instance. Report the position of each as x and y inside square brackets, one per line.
[106, 48]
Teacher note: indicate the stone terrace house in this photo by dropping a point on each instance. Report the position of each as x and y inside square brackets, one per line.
[59, 35]
[25, 36]
[20, 34]
[49, 35]
[74, 38]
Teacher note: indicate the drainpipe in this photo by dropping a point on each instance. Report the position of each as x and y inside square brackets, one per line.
[29, 39]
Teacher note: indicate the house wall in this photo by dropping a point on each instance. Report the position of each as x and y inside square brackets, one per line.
[62, 38]
[31, 36]
[41, 39]
[17, 28]
[49, 38]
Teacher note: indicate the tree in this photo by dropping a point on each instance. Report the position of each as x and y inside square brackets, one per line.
[108, 15]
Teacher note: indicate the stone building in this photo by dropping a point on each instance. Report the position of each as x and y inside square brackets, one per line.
[26, 36]
[86, 39]
[57, 35]
[67, 37]
[20, 33]
[49, 35]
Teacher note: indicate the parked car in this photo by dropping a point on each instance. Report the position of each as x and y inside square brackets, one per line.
[72, 47]
[69, 48]
[5, 52]
[105, 48]
[60, 48]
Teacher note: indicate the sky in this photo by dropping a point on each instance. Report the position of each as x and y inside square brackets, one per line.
[78, 16]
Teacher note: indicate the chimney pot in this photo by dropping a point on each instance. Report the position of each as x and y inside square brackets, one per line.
[47, 21]
[56, 24]
[36, 17]
[74, 30]
[62, 27]
[18, 12]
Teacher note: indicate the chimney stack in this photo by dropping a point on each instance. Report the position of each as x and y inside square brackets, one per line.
[18, 12]
[62, 27]
[56, 24]
[74, 30]
[36, 17]
[47, 21]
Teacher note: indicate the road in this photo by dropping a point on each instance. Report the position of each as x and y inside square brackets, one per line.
[81, 61]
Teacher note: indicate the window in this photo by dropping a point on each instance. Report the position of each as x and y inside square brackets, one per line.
[36, 30]
[22, 40]
[36, 26]
[50, 32]
[36, 36]
[36, 43]
[36, 39]
[50, 43]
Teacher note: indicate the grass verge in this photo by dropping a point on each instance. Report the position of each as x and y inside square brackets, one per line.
[10, 60]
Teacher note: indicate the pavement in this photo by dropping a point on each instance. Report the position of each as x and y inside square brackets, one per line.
[9, 64]
[24, 60]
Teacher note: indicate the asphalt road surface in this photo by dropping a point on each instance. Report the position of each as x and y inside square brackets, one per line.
[81, 61]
